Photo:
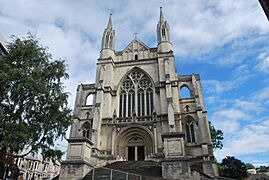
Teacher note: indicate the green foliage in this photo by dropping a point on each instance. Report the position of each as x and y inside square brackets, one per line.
[250, 166]
[233, 168]
[33, 109]
[54, 155]
[263, 169]
[216, 137]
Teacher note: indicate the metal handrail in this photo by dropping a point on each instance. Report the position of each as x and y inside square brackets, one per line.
[111, 173]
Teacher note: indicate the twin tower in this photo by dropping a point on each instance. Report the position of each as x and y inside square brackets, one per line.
[136, 111]
[163, 37]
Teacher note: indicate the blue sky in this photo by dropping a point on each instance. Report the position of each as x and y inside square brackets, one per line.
[225, 41]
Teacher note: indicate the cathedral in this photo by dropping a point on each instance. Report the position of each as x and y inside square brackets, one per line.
[140, 109]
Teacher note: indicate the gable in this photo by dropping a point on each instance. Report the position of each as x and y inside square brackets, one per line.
[135, 46]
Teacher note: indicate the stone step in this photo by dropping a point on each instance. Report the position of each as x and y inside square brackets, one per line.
[145, 168]
[149, 170]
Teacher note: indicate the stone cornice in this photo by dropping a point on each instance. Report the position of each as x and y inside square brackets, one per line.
[79, 139]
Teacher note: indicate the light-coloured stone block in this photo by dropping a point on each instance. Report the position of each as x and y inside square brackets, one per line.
[75, 151]
[174, 147]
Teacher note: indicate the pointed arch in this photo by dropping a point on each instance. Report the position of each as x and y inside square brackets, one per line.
[190, 128]
[132, 70]
[136, 94]
[185, 91]
[89, 100]
[86, 129]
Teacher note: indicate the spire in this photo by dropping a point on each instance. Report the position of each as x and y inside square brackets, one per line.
[109, 24]
[108, 40]
[163, 34]
[161, 15]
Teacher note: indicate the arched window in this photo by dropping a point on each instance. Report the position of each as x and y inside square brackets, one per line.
[88, 115]
[89, 100]
[163, 32]
[185, 92]
[86, 130]
[136, 96]
[136, 57]
[190, 132]
[187, 108]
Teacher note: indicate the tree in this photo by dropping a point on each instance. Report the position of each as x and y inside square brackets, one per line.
[233, 168]
[216, 137]
[263, 169]
[33, 104]
[250, 166]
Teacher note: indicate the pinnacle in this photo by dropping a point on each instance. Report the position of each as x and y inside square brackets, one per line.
[161, 15]
[109, 25]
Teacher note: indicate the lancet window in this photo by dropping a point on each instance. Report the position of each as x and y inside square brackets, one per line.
[190, 133]
[136, 96]
[86, 130]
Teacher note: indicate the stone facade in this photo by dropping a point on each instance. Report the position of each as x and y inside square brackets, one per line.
[138, 112]
[3, 45]
[35, 167]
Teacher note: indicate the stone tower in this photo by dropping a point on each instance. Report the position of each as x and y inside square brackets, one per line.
[138, 112]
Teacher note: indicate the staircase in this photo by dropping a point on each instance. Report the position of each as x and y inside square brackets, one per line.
[127, 170]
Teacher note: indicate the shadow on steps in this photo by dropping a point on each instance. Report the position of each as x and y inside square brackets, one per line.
[149, 170]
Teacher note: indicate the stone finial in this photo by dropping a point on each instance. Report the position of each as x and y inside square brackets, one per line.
[109, 24]
[161, 15]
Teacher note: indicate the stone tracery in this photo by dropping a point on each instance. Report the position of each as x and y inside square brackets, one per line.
[136, 96]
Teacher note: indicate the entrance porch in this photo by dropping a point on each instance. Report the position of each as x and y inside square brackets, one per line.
[134, 143]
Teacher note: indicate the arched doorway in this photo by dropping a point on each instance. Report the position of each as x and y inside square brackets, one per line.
[134, 143]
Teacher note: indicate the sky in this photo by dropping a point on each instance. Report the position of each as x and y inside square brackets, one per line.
[225, 41]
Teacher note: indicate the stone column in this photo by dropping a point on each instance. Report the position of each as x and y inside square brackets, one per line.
[135, 153]
[155, 140]
[113, 140]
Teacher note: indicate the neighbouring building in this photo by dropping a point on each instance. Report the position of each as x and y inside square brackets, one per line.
[3, 48]
[265, 7]
[252, 171]
[141, 110]
[35, 167]
[259, 176]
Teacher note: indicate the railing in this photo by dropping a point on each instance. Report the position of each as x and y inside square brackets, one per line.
[112, 174]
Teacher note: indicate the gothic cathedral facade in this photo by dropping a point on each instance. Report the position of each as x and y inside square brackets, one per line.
[138, 112]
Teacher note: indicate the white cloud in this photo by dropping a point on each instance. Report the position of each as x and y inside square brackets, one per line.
[73, 30]
[251, 139]
[239, 76]
[228, 120]
[262, 96]
[258, 163]
[217, 87]
[263, 63]
[248, 106]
